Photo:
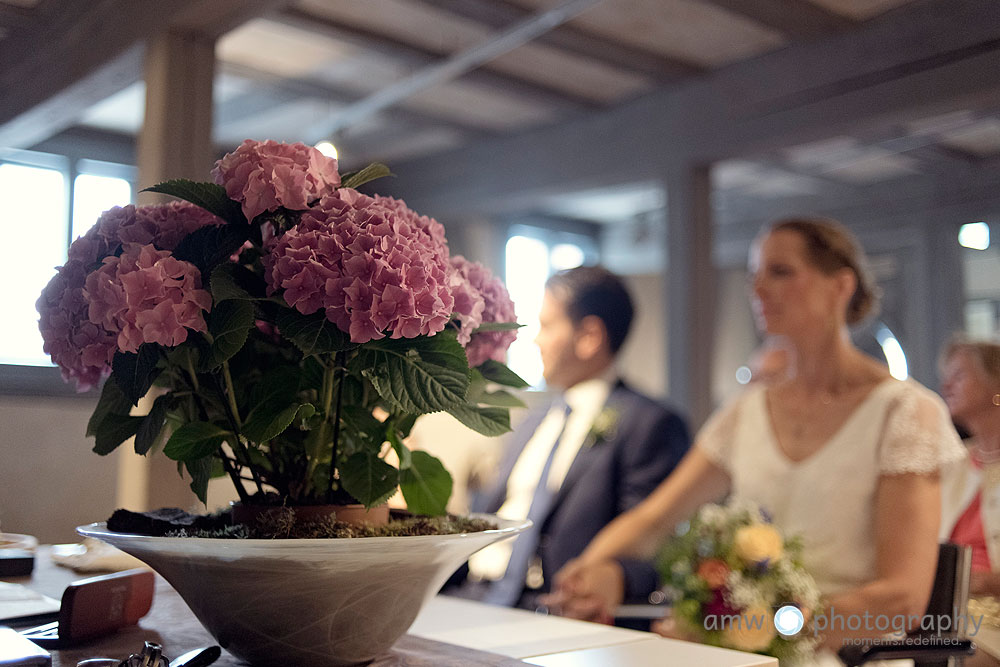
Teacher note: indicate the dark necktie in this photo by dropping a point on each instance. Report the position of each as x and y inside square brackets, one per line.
[507, 590]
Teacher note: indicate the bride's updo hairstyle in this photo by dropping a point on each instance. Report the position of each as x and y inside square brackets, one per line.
[830, 247]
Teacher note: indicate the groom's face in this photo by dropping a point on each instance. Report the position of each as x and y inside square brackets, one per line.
[556, 340]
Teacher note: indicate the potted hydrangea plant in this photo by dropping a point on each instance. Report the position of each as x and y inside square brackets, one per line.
[291, 329]
[294, 327]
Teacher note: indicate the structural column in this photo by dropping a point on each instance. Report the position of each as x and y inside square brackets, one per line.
[175, 142]
[690, 289]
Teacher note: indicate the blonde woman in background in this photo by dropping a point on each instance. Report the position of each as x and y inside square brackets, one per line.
[971, 488]
[837, 451]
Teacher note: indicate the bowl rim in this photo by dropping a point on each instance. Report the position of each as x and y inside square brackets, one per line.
[507, 527]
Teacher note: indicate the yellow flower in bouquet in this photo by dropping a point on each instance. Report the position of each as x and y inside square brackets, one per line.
[758, 543]
[753, 630]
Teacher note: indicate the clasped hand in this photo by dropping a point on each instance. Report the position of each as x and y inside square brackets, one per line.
[589, 591]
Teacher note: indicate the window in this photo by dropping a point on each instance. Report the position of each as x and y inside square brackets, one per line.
[38, 226]
[532, 255]
[35, 211]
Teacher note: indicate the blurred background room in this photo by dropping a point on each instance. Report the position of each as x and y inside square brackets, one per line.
[655, 137]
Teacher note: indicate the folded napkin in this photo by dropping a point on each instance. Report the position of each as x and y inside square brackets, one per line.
[94, 556]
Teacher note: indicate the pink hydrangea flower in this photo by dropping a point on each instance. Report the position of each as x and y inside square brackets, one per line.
[266, 175]
[146, 296]
[374, 266]
[162, 225]
[82, 349]
[476, 284]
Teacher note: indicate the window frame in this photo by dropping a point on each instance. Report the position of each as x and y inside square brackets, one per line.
[29, 380]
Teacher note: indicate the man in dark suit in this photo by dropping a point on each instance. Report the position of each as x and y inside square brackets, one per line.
[572, 467]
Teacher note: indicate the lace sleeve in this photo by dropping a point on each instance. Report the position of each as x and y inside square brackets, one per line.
[715, 439]
[919, 436]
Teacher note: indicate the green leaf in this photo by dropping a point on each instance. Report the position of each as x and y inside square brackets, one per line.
[494, 371]
[501, 399]
[152, 424]
[355, 179]
[419, 375]
[235, 281]
[135, 373]
[426, 485]
[195, 440]
[229, 323]
[403, 424]
[402, 451]
[497, 326]
[207, 247]
[209, 196]
[200, 471]
[113, 431]
[312, 334]
[112, 402]
[488, 421]
[270, 418]
[368, 478]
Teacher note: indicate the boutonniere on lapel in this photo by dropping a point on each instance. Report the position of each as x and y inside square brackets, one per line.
[604, 427]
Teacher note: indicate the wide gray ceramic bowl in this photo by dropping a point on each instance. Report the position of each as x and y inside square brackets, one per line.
[320, 602]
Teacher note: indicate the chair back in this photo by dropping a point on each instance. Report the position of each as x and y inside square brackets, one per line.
[949, 600]
[950, 593]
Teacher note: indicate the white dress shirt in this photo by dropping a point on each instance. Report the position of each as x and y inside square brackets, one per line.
[585, 400]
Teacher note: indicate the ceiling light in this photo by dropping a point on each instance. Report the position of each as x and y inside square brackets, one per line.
[327, 149]
[975, 235]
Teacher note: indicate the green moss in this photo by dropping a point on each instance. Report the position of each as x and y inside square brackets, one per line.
[283, 524]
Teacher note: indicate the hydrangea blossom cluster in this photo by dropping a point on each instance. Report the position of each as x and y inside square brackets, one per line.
[480, 285]
[146, 296]
[266, 175]
[371, 264]
[84, 347]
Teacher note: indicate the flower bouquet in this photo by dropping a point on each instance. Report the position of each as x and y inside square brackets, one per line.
[729, 572]
[291, 330]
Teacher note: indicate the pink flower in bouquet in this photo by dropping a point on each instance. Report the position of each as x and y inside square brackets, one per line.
[497, 307]
[82, 349]
[266, 175]
[373, 265]
[147, 296]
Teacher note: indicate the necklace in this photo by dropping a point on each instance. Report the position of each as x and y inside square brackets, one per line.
[983, 455]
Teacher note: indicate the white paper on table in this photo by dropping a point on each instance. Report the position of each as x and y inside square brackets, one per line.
[17, 601]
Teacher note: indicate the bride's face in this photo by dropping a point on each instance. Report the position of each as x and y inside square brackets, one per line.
[790, 296]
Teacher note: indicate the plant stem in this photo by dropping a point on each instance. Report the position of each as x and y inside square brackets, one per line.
[229, 401]
[339, 362]
[231, 393]
[227, 465]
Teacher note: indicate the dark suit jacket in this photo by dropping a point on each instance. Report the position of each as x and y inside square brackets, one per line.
[607, 478]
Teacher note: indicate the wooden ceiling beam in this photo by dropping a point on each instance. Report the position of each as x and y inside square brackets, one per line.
[91, 51]
[499, 13]
[270, 92]
[928, 58]
[419, 57]
[798, 19]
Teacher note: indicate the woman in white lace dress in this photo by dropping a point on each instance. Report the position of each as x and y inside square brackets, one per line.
[838, 451]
